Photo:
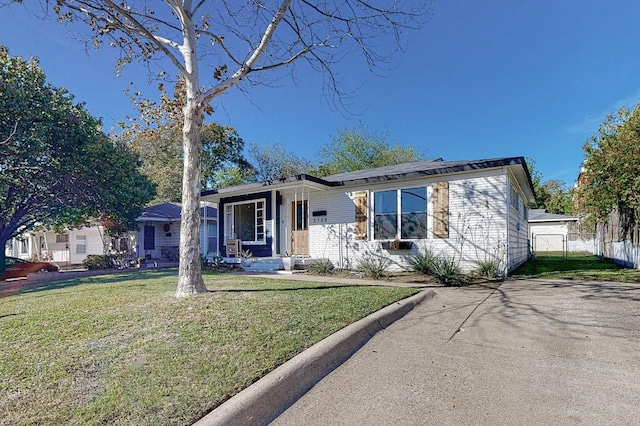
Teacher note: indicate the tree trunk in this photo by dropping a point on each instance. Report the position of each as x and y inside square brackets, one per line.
[190, 270]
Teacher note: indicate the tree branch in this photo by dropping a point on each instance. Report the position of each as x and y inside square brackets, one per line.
[246, 67]
[13, 132]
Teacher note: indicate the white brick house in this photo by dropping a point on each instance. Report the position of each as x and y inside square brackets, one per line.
[473, 210]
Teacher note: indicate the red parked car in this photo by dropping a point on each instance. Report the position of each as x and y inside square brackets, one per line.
[17, 268]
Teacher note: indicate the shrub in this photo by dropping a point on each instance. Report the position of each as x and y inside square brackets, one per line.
[171, 253]
[423, 262]
[99, 261]
[321, 268]
[447, 271]
[489, 269]
[374, 266]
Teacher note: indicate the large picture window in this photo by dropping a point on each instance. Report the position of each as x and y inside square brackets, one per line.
[400, 214]
[245, 221]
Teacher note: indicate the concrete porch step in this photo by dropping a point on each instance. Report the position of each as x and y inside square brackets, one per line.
[270, 264]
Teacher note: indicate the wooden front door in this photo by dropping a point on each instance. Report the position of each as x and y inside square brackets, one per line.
[300, 227]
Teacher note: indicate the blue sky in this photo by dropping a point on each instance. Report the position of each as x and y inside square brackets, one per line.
[481, 79]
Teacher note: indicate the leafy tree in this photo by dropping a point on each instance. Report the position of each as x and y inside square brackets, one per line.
[57, 168]
[156, 136]
[611, 177]
[536, 179]
[221, 150]
[161, 152]
[233, 176]
[274, 162]
[553, 196]
[556, 197]
[359, 149]
[161, 162]
[232, 43]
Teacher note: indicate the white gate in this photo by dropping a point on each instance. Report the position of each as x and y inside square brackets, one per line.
[572, 244]
[549, 243]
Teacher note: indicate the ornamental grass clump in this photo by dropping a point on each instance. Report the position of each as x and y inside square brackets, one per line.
[324, 267]
[423, 263]
[447, 271]
[374, 266]
[489, 269]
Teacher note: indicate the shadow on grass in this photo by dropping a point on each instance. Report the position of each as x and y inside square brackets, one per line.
[278, 289]
[23, 286]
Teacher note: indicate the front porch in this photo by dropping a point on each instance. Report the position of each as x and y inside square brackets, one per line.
[272, 222]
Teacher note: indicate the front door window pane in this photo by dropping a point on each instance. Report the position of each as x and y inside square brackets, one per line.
[302, 215]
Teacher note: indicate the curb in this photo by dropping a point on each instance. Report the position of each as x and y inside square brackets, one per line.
[266, 399]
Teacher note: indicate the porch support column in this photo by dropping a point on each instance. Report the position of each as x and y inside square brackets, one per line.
[275, 223]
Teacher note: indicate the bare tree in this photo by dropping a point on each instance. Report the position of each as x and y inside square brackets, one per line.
[217, 45]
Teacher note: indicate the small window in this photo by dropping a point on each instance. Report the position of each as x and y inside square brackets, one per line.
[24, 247]
[62, 238]
[212, 238]
[515, 198]
[81, 244]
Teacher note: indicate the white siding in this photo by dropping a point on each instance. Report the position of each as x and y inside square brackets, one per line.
[518, 248]
[93, 243]
[561, 228]
[549, 236]
[43, 245]
[170, 238]
[478, 220]
[332, 236]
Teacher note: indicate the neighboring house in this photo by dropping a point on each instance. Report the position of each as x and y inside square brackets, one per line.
[70, 247]
[159, 231]
[471, 210]
[549, 231]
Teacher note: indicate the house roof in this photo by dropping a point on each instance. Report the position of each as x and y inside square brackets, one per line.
[169, 212]
[540, 215]
[395, 172]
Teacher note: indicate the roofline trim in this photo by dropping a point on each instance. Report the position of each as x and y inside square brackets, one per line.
[466, 167]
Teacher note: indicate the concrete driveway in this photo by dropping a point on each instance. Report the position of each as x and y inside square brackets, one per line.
[530, 352]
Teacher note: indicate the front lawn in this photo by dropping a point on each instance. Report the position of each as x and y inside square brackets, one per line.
[122, 349]
[583, 267]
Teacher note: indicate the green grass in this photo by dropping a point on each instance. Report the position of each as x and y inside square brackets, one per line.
[122, 349]
[576, 267]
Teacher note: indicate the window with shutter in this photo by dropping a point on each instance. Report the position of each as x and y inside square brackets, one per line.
[360, 200]
[441, 209]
